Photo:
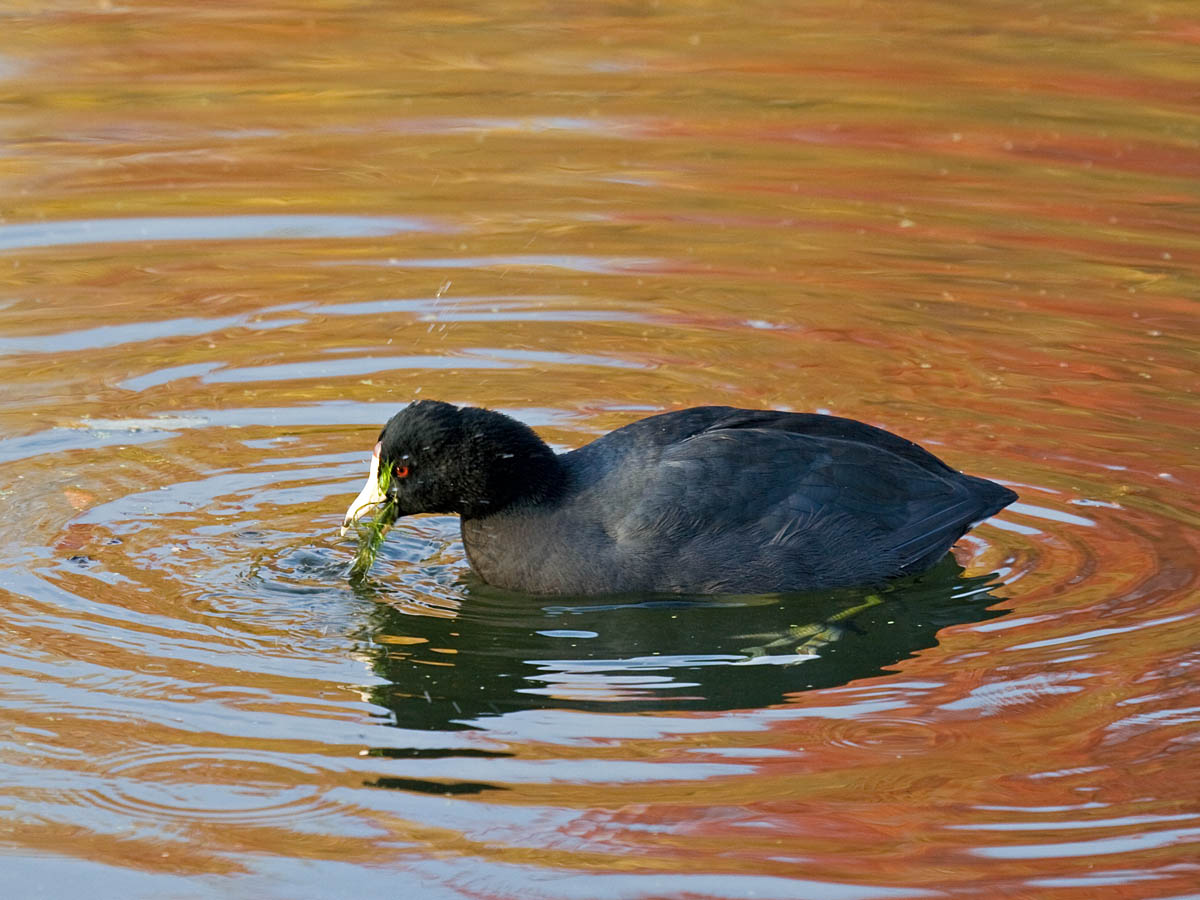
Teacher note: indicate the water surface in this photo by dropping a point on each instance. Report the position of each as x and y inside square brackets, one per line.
[235, 238]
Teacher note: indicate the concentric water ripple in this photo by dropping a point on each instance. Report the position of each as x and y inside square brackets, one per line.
[174, 784]
[234, 243]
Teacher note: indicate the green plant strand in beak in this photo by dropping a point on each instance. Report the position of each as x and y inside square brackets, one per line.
[372, 532]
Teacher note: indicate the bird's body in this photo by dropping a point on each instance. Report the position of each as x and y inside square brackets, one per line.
[705, 500]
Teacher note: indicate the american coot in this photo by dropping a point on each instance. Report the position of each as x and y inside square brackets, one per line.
[705, 500]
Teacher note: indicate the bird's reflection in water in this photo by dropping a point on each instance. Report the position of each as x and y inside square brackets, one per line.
[497, 653]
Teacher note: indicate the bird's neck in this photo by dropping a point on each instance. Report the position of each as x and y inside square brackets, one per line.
[512, 467]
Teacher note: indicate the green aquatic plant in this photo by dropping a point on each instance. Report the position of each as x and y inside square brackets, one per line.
[371, 532]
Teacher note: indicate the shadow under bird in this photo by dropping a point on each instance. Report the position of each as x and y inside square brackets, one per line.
[705, 500]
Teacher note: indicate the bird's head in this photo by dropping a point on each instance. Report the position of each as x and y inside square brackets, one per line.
[433, 457]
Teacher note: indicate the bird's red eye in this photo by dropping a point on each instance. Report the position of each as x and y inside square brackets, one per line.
[401, 471]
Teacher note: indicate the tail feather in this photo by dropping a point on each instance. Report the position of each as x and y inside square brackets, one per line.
[937, 532]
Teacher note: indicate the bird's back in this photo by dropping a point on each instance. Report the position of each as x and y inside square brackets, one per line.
[716, 499]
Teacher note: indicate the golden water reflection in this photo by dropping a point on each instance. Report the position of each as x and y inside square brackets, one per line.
[234, 239]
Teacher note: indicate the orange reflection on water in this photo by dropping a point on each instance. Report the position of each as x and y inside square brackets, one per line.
[235, 239]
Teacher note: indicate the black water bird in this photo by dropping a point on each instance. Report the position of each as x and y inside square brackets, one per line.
[706, 500]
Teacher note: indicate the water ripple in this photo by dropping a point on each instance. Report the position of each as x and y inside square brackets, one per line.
[207, 228]
[181, 783]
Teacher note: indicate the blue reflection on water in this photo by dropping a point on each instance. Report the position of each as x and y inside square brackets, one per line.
[205, 228]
